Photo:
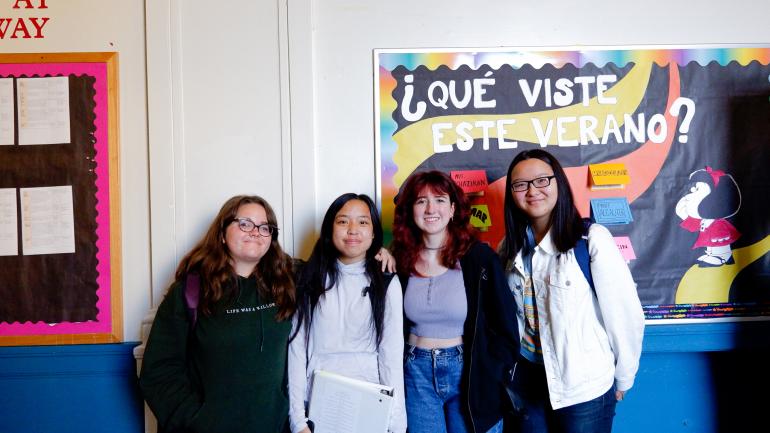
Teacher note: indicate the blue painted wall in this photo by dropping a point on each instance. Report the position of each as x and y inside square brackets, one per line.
[706, 378]
[69, 389]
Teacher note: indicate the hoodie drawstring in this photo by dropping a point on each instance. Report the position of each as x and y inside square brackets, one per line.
[261, 332]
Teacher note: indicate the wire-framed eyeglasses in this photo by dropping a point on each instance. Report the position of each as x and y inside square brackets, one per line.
[538, 182]
[246, 225]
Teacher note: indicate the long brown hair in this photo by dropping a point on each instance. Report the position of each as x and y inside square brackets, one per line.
[210, 259]
[407, 237]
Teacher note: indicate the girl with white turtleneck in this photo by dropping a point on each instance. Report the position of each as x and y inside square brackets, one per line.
[348, 321]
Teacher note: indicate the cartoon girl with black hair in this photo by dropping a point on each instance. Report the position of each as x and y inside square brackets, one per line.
[713, 197]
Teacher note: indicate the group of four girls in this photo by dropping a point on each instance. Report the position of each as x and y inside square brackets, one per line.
[463, 335]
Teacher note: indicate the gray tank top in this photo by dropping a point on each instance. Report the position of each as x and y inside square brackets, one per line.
[436, 306]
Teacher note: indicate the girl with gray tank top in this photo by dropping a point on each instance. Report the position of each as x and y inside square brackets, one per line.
[461, 331]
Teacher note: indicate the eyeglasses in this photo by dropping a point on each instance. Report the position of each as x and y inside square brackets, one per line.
[246, 225]
[538, 182]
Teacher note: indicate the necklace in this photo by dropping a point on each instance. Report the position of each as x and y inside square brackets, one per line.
[433, 248]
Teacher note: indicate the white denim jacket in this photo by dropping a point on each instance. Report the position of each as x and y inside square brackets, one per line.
[588, 341]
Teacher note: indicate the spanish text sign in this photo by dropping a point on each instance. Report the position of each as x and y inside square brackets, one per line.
[680, 138]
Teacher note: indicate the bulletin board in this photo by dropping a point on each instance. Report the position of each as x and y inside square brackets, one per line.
[60, 263]
[669, 147]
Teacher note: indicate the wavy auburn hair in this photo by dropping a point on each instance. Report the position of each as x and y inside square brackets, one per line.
[210, 259]
[407, 237]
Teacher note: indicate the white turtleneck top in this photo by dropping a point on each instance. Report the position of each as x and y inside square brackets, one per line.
[343, 341]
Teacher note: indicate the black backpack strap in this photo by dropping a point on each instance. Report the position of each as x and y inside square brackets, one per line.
[404, 280]
[387, 277]
[192, 291]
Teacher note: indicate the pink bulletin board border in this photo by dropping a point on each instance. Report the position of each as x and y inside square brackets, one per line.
[103, 322]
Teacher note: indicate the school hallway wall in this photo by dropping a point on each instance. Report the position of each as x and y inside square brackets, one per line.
[284, 86]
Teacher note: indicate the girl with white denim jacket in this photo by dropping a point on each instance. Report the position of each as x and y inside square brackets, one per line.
[580, 349]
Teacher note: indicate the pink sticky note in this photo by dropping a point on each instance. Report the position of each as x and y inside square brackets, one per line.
[470, 180]
[625, 247]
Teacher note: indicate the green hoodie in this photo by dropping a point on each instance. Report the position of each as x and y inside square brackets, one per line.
[228, 376]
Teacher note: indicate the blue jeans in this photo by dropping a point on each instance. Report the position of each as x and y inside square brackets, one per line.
[535, 414]
[432, 387]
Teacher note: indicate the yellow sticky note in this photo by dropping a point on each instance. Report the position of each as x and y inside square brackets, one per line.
[609, 176]
[480, 217]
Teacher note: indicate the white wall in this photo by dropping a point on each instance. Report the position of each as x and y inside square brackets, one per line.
[215, 125]
[219, 118]
[110, 25]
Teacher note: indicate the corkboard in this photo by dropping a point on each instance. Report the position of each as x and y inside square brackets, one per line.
[67, 298]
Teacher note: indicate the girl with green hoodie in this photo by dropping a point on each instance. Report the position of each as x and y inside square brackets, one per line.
[219, 366]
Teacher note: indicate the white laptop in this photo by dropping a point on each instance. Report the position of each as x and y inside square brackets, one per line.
[339, 404]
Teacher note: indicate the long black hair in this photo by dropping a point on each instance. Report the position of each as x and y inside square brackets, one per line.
[566, 224]
[321, 272]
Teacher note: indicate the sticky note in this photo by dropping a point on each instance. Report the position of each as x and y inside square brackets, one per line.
[625, 247]
[480, 217]
[470, 181]
[611, 210]
[609, 176]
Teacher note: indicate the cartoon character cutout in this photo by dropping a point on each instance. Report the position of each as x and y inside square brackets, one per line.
[712, 197]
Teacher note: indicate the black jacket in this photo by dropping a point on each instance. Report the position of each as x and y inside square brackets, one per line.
[490, 336]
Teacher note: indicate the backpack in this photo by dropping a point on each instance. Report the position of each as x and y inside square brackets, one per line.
[192, 292]
[583, 256]
[387, 277]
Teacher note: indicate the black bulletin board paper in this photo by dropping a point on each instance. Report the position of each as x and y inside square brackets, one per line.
[55, 288]
[66, 297]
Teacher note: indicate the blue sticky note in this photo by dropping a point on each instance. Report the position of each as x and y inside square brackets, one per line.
[611, 210]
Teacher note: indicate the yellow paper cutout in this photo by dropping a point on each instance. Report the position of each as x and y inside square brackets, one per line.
[480, 217]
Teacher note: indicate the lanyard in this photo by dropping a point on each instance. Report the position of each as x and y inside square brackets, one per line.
[529, 251]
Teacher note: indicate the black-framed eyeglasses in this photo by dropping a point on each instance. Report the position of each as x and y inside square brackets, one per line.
[246, 225]
[538, 182]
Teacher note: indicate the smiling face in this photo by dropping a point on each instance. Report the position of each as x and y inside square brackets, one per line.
[352, 231]
[246, 249]
[536, 203]
[432, 211]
